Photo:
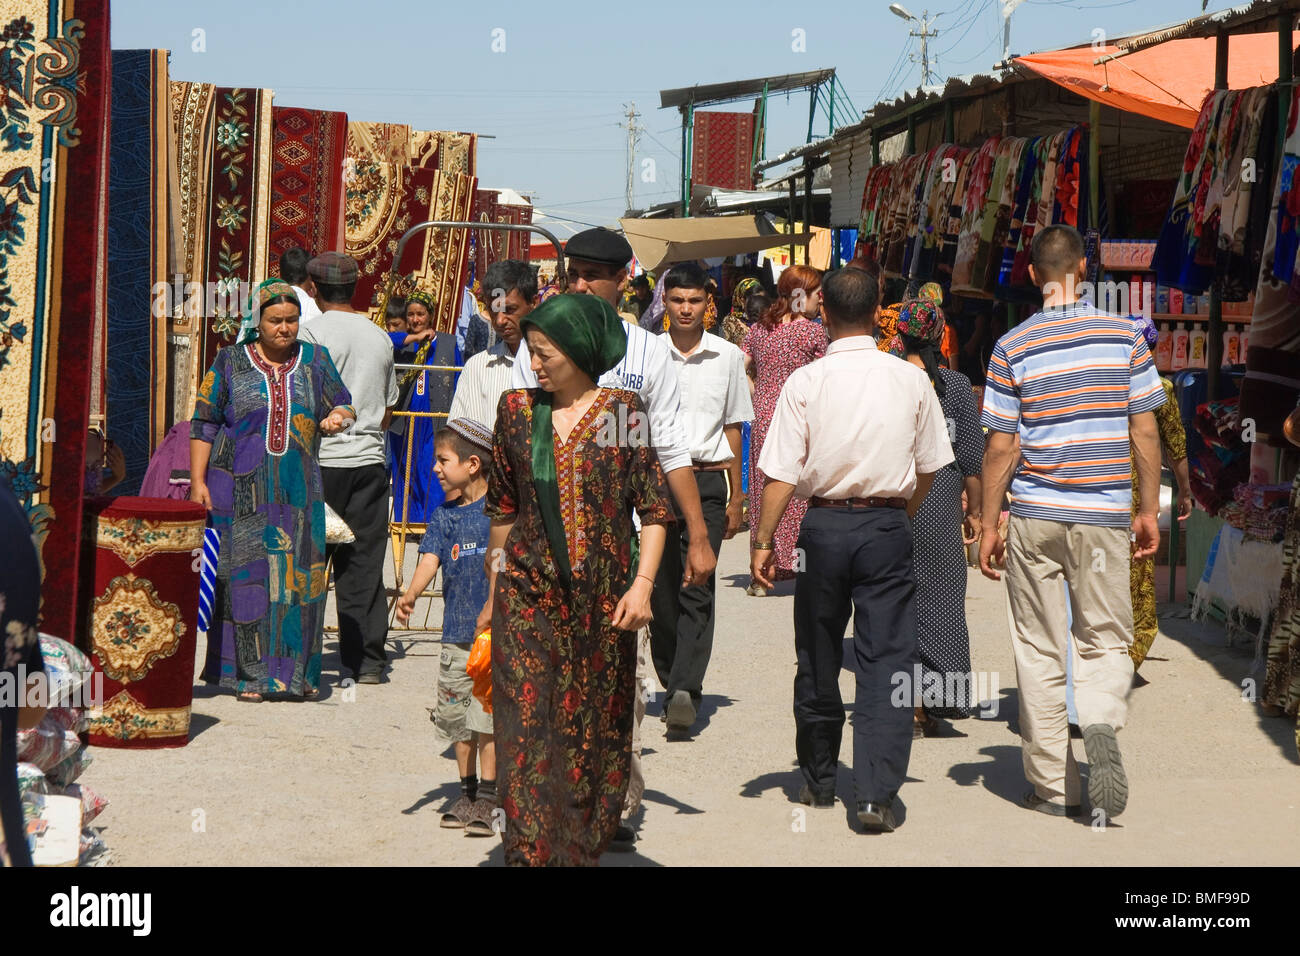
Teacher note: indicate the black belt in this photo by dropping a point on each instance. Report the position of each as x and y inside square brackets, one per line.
[858, 502]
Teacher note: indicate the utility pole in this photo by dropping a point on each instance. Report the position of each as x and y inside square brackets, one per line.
[925, 20]
[1008, 8]
[633, 135]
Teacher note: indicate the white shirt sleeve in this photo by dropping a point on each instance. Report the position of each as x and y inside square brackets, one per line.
[740, 404]
[661, 396]
[522, 376]
[933, 445]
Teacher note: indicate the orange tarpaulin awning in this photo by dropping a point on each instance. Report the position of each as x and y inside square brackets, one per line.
[1166, 82]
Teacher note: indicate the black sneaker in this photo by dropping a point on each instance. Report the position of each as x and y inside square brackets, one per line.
[1107, 784]
[624, 840]
[1034, 802]
[818, 801]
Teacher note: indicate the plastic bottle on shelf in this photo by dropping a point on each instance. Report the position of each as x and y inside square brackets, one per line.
[1244, 347]
[1164, 349]
[1198, 348]
[1231, 346]
[1180, 349]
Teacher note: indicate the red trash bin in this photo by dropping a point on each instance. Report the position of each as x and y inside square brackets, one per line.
[143, 618]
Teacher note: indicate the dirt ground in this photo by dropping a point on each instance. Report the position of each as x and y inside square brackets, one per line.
[359, 776]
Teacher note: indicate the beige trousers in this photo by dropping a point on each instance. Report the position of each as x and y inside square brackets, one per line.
[645, 686]
[1094, 562]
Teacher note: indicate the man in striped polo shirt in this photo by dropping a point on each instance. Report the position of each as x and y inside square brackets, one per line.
[1066, 392]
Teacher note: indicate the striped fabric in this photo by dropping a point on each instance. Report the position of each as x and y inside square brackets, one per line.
[1067, 381]
[208, 576]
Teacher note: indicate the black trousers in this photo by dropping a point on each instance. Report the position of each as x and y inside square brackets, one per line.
[859, 560]
[360, 496]
[681, 632]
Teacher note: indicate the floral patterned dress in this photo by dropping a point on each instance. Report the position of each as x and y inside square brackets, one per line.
[264, 477]
[776, 354]
[563, 679]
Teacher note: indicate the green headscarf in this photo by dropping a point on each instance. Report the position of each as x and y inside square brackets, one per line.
[588, 330]
[267, 290]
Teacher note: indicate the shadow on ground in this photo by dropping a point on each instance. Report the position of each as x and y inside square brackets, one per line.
[1235, 664]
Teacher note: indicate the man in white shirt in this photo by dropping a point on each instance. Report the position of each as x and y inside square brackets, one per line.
[860, 435]
[715, 402]
[596, 262]
[293, 270]
[510, 291]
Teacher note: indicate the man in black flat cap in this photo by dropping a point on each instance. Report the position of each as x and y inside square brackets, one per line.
[597, 262]
[352, 469]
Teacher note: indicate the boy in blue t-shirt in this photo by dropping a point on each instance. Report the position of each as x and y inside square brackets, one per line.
[456, 541]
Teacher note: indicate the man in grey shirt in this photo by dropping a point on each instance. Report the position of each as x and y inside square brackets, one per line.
[352, 464]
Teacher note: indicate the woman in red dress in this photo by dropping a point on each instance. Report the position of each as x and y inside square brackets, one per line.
[785, 339]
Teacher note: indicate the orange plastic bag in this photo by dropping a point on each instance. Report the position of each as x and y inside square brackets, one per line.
[479, 667]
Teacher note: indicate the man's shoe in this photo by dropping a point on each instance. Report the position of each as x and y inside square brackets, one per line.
[624, 839]
[1107, 784]
[679, 712]
[1034, 802]
[457, 815]
[371, 677]
[876, 817]
[818, 801]
[479, 821]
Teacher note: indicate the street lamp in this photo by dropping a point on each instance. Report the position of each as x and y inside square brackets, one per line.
[898, 10]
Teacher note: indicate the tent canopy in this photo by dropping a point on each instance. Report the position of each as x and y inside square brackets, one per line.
[658, 242]
[1167, 82]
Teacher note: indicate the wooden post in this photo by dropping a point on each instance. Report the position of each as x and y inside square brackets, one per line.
[807, 208]
[949, 135]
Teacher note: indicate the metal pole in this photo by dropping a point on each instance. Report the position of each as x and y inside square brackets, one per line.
[830, 119]
[789, 226]
[1094, 163]
[685, 171]
[688, 159]
[807, 209]
[1214, 323]
[812, 111]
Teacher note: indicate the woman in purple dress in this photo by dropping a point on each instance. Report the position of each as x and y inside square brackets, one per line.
[254, 440]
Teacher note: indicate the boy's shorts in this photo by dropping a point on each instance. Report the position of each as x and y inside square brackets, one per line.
[458, 714]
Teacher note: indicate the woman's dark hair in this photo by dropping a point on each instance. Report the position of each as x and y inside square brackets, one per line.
[279, 300]
[396, 308]
[926, 350]
[686, 275]
[756, 305]
[293, 265]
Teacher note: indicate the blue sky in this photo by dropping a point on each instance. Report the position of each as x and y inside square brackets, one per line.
[554, 97]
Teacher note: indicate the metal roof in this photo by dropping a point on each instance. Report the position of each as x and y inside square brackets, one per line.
[710, 93]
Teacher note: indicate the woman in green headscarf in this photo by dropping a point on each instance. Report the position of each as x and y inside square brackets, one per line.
[254, 464]
[571, 461]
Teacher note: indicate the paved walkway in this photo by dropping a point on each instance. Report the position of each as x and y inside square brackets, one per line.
[347, 781]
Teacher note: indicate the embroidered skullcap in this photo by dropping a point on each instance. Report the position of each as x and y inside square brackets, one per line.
[932, 292]
[265, 292]
[476, 433]
[887, 321]
[921, 319]
[422, 297]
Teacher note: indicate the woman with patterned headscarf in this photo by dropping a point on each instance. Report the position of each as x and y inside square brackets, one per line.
[734, 327]
[422, 392]
[937, 529]
[570, 462]
[254, 440]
